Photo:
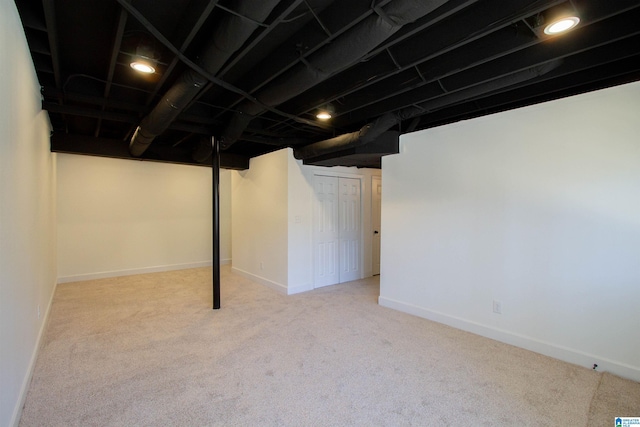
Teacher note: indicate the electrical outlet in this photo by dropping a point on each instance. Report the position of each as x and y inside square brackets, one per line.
[38, 311]
[261, 265]
[497, 306]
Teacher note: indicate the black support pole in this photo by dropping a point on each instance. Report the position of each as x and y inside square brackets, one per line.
[215, 177]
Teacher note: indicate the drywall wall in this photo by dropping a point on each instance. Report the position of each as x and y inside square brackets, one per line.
[224, 194]
[118, 217]
[259, 229]
[537, 209]
[27, 216]
[300, 223]
[272, 220]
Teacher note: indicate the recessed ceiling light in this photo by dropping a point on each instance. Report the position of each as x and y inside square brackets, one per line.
[143, 67]
[145, 58]
[561, 25]
[326, 112]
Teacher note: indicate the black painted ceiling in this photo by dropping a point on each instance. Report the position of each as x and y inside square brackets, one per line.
[460, 60]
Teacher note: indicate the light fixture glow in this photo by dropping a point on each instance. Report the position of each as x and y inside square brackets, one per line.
[561, 25]
[145, 59]
[326, 112]
[143, 66]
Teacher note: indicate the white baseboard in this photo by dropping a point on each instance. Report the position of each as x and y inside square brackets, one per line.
[283, 289]
[17, 411]
[253, 277]
[556, 351]
[132, 271]
[300, 288]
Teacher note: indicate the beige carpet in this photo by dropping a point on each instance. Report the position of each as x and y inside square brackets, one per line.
[148, 350]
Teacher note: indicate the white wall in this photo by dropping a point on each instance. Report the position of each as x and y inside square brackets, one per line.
[27, 216]
[225, 216]
[118, 217]
[300, 220]
[260, 221]
[538, 208]
[272, 220]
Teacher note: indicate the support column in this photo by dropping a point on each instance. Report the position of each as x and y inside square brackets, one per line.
[215, 177]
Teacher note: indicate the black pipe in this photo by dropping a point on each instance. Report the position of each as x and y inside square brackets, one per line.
[371, 131]
[228, 37]
[343, 52]
[215, 181]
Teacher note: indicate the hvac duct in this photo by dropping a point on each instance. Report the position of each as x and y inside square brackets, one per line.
[371, 131]
[227, 39]
[341, 53]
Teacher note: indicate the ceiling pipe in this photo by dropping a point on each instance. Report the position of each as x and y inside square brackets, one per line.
[371, 131]
[228, 37]
[343, 52]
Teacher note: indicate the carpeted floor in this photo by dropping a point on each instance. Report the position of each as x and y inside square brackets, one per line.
[148, 350]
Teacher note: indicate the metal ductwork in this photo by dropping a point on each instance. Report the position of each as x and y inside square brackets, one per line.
[344, 51]
[371, 131]
[232, 33]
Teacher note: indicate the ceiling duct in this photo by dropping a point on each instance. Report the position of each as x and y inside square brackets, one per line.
[228, 37]
[343, 52]
[371, 131]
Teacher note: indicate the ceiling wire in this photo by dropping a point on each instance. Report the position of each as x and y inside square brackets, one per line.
[246, 18]
[87, 76]
[295, 18]
[324, 28]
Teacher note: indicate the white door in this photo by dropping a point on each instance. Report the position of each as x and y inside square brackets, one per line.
[336, 228]
[349, 229]
[326, 229]
[376, 210]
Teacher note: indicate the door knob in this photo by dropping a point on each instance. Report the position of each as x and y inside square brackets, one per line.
[375, 231]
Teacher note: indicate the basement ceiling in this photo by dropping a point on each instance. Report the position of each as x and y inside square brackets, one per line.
[253, 74]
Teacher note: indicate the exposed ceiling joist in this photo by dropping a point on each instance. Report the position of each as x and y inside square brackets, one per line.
[420, 76]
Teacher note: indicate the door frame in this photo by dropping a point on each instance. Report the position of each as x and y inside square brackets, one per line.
[363, 186]
[375, 178]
